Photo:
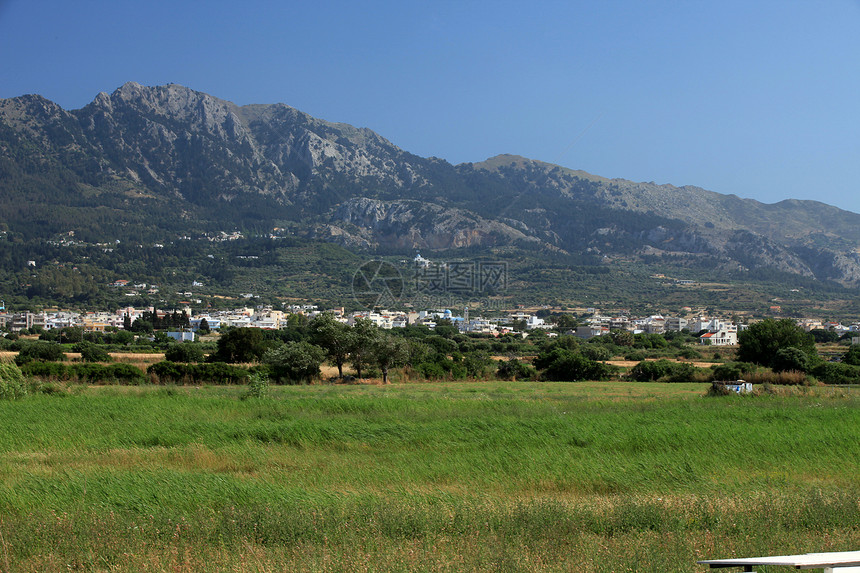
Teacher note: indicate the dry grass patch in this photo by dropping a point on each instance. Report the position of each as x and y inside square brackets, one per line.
[142, 360]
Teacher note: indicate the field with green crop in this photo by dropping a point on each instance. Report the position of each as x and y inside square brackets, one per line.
[478, 476]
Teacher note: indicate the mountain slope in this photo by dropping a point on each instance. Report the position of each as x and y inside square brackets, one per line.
[159, 162]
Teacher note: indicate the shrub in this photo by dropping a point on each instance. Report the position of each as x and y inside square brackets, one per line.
[184, 352]
[689, 354]
[258, 386]
[731, 370]
[595, 352]
[431, 370]
[47, 370]
[124, 374]
[852, 357]
[12, 384]
[651, 370]
[91, 352]
[88, 372]
[43, 351]
[664, 371]
[790, 358]
[513, 369]
[837, 373]
[217, 373]
[565, 365]
[718, 389]
[477, 364]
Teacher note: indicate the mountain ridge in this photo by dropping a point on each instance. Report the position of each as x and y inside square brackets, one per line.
[159, 159]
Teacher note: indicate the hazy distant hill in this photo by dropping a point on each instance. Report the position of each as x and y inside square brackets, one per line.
[158, 162]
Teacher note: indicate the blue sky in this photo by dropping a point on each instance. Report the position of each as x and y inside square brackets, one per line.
[760, 99]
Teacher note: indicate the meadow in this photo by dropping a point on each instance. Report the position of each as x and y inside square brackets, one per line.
[469, 476]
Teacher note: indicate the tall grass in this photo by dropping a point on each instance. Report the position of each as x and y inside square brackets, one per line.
[472, 476]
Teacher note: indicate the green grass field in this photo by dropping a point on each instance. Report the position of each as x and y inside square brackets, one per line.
[495, 476]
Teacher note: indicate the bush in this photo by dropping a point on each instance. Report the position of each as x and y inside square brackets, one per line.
[731, 370]
[88, 372]
[689, 354]
[91, 352]
[791, 358]
[431, 370]
[651, 370]
[513, 369]
[43, 351]
[217, 373]
[852, 357]
[12, 384]
[664, 371]
[565, 365]
[718, 389]
[258, 386]
[837, 373]
[595, 352]
[124, 374]
[184, 352]
[477, 364]
[47, 370]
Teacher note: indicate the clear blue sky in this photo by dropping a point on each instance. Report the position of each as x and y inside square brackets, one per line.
[760, 99]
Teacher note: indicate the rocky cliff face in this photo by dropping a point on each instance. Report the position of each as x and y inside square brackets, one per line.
[179, 157]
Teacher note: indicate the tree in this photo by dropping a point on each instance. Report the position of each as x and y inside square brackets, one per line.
[239, 345]
[334, 336]
[566, 321]
[622, 337]
[446, 328]
[762, 340]
[142, 325]
[295, 361]
[852, 356]
[203, 328]
[364, 334]
[790, 359]
[123, 338]
[388, 352]
[824, 336]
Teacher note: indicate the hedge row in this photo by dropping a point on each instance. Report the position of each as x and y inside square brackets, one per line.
[86, 372]
[205, 373]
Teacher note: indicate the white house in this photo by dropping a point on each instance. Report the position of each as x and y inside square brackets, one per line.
[720, 338]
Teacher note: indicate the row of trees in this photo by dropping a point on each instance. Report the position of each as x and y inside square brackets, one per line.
[363, 345]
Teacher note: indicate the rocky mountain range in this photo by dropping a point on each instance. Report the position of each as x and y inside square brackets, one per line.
[148, 162]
